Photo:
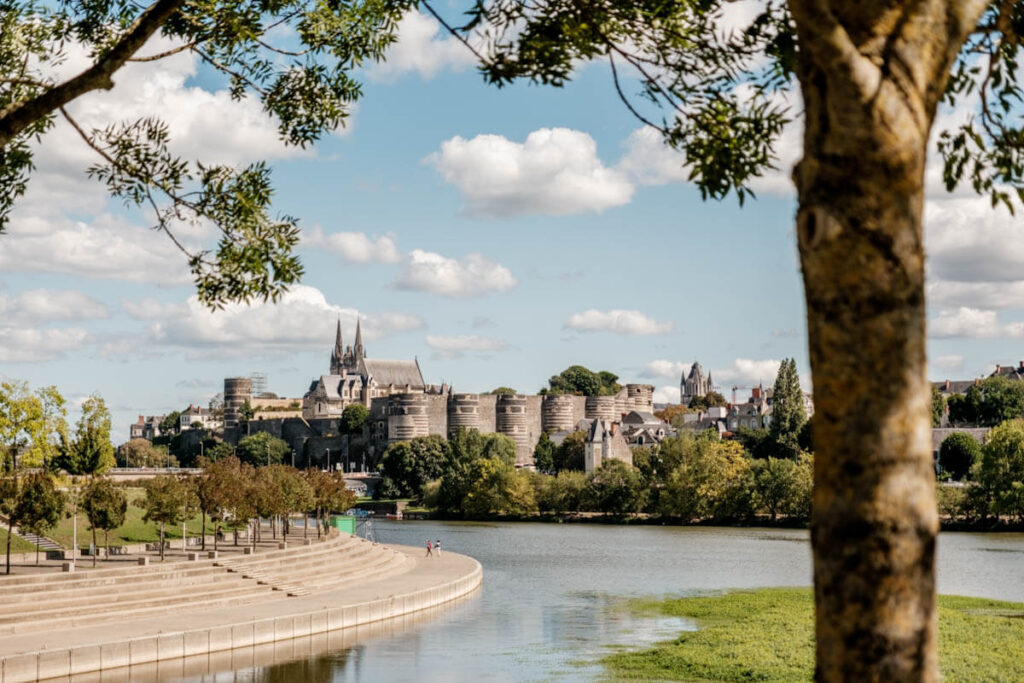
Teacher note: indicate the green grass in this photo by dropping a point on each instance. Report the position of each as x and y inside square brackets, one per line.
[134, 530]
[768, 635]
[18, 545]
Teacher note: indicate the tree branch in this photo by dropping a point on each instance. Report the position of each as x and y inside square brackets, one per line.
[18, 116]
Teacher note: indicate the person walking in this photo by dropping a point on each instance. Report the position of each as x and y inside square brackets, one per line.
[429, 548]
[437, 547]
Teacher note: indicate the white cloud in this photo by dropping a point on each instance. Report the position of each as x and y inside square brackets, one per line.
[302, 319]
[34, 345]
[669, 394]
[473, 275]
[458, 346]
[152, 309]
[555, 171]
[966, 322]
[354, 247]
[108, 247]
[649, 161]
[422, 48]
[49, 305]
[620, 321]
[665, 368]
[950, 362]
[747, 372]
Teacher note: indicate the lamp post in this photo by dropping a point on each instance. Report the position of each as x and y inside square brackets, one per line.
[328, 459]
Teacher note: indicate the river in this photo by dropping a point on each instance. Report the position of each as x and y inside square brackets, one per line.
[553, 598]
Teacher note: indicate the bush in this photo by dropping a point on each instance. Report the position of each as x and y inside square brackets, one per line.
[957, 454]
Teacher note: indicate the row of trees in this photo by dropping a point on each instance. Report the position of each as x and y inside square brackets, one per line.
[233, 493]
[691, 477]
[985, 404]
[993, 475]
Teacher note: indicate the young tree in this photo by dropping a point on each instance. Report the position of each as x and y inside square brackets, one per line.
[89, 451]
[938, 407]
[571, 452]
[329, 495]
[407, 466]
[1000, 471]
[31, 424]
[544, 454]
[218, 489]
[503, 390]
[262, 449]
[353, 417]
[164, 503]
[958, 453]
[39, 506]
[775, 482]
[616, 488]
[788, 415]
[171, 424]
[105, 505]
[142, 453]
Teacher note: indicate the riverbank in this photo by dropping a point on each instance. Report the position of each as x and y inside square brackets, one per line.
[768, 635]
[70, 650]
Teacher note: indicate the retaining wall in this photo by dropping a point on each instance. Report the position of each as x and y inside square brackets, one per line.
[61, 663]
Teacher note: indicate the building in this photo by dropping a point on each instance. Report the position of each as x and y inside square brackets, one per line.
[642, 428]
[694, 385]
[756, 413]
[147, 427]
[605, 442]
[714, 418]
[197, 414]
[354, 378]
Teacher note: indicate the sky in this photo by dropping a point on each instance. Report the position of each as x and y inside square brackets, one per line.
[498, 236]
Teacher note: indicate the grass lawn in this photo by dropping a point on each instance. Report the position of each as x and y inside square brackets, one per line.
[134, 530]
[768, 635]
[18, 545]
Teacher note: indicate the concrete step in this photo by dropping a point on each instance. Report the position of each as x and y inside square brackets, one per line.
[100, 617]
[172, 598]
[346, 555]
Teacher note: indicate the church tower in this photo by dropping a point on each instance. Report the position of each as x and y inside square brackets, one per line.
[359, 351]
[693, 385]
[338, 354]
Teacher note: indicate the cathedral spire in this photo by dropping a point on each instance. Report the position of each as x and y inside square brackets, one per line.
[359, 339]
[339, 350]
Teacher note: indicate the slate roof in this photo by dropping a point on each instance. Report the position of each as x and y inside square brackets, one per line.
[939, 434]
[640, 417]
[397, 372]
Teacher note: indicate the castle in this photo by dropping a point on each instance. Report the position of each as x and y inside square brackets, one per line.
[403, 406]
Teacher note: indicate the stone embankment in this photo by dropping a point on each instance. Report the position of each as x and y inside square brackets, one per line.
[58, 625]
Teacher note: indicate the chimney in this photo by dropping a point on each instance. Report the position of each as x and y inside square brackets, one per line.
[947, 385]
[998, 367]
[141, 420]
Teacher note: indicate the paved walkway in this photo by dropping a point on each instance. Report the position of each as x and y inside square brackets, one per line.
[419, 574]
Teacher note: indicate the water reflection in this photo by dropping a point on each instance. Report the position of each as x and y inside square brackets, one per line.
[555, 597]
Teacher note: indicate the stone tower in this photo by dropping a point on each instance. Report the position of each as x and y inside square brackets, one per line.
[693, 385]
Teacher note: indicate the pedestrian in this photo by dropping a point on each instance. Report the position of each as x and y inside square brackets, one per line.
[437, 547]
[429, 548]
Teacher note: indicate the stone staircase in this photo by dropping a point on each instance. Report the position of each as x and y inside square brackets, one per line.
[43, 542]
[49, 601]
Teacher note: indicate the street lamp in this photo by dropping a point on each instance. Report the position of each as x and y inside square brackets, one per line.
[328, 459]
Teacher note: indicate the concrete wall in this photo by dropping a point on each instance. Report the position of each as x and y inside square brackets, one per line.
[61, 663]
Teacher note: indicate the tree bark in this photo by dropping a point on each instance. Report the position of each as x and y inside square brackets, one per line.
[95, 546]
[871, 75]
[204, 530]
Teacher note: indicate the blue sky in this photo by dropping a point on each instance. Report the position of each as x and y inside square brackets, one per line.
[497, 235]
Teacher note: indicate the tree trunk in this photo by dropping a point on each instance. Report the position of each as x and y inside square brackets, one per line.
[216, 535]
[871, 80]
[161, 541]
[106, 543]
[204, 530]
[95, 546]
[10, 526]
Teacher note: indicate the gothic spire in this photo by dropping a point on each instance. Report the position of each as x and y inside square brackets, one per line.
[359, 339]
[339, 350]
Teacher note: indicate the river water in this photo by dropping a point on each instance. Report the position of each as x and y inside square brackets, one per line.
[554, 598]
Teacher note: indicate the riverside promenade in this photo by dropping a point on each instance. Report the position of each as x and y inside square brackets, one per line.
[55, 625]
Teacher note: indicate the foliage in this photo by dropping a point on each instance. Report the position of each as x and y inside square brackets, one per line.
[768, 635]
[504, 390]
[774, 484]
[467, 447]
[31, 424]
[672, 414]
[220, 489]
[165, 503]
[616, 488]
[40, 503]
[987, 403]
[758, 442]
[142, 453]
[1000, 471]
[544, 454]
[495, 487]
[105, 506]
[571, 452]
[957, 454]
[788, 415]
[218, 451]
[712, 481]
[565, 492]
[295, 57]
[171, 424]
[407, 466]
[262, 448]
[938, 406]
[246, 411]
[712, 399]
[353, 417]
[577, 379]
[89, 451]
